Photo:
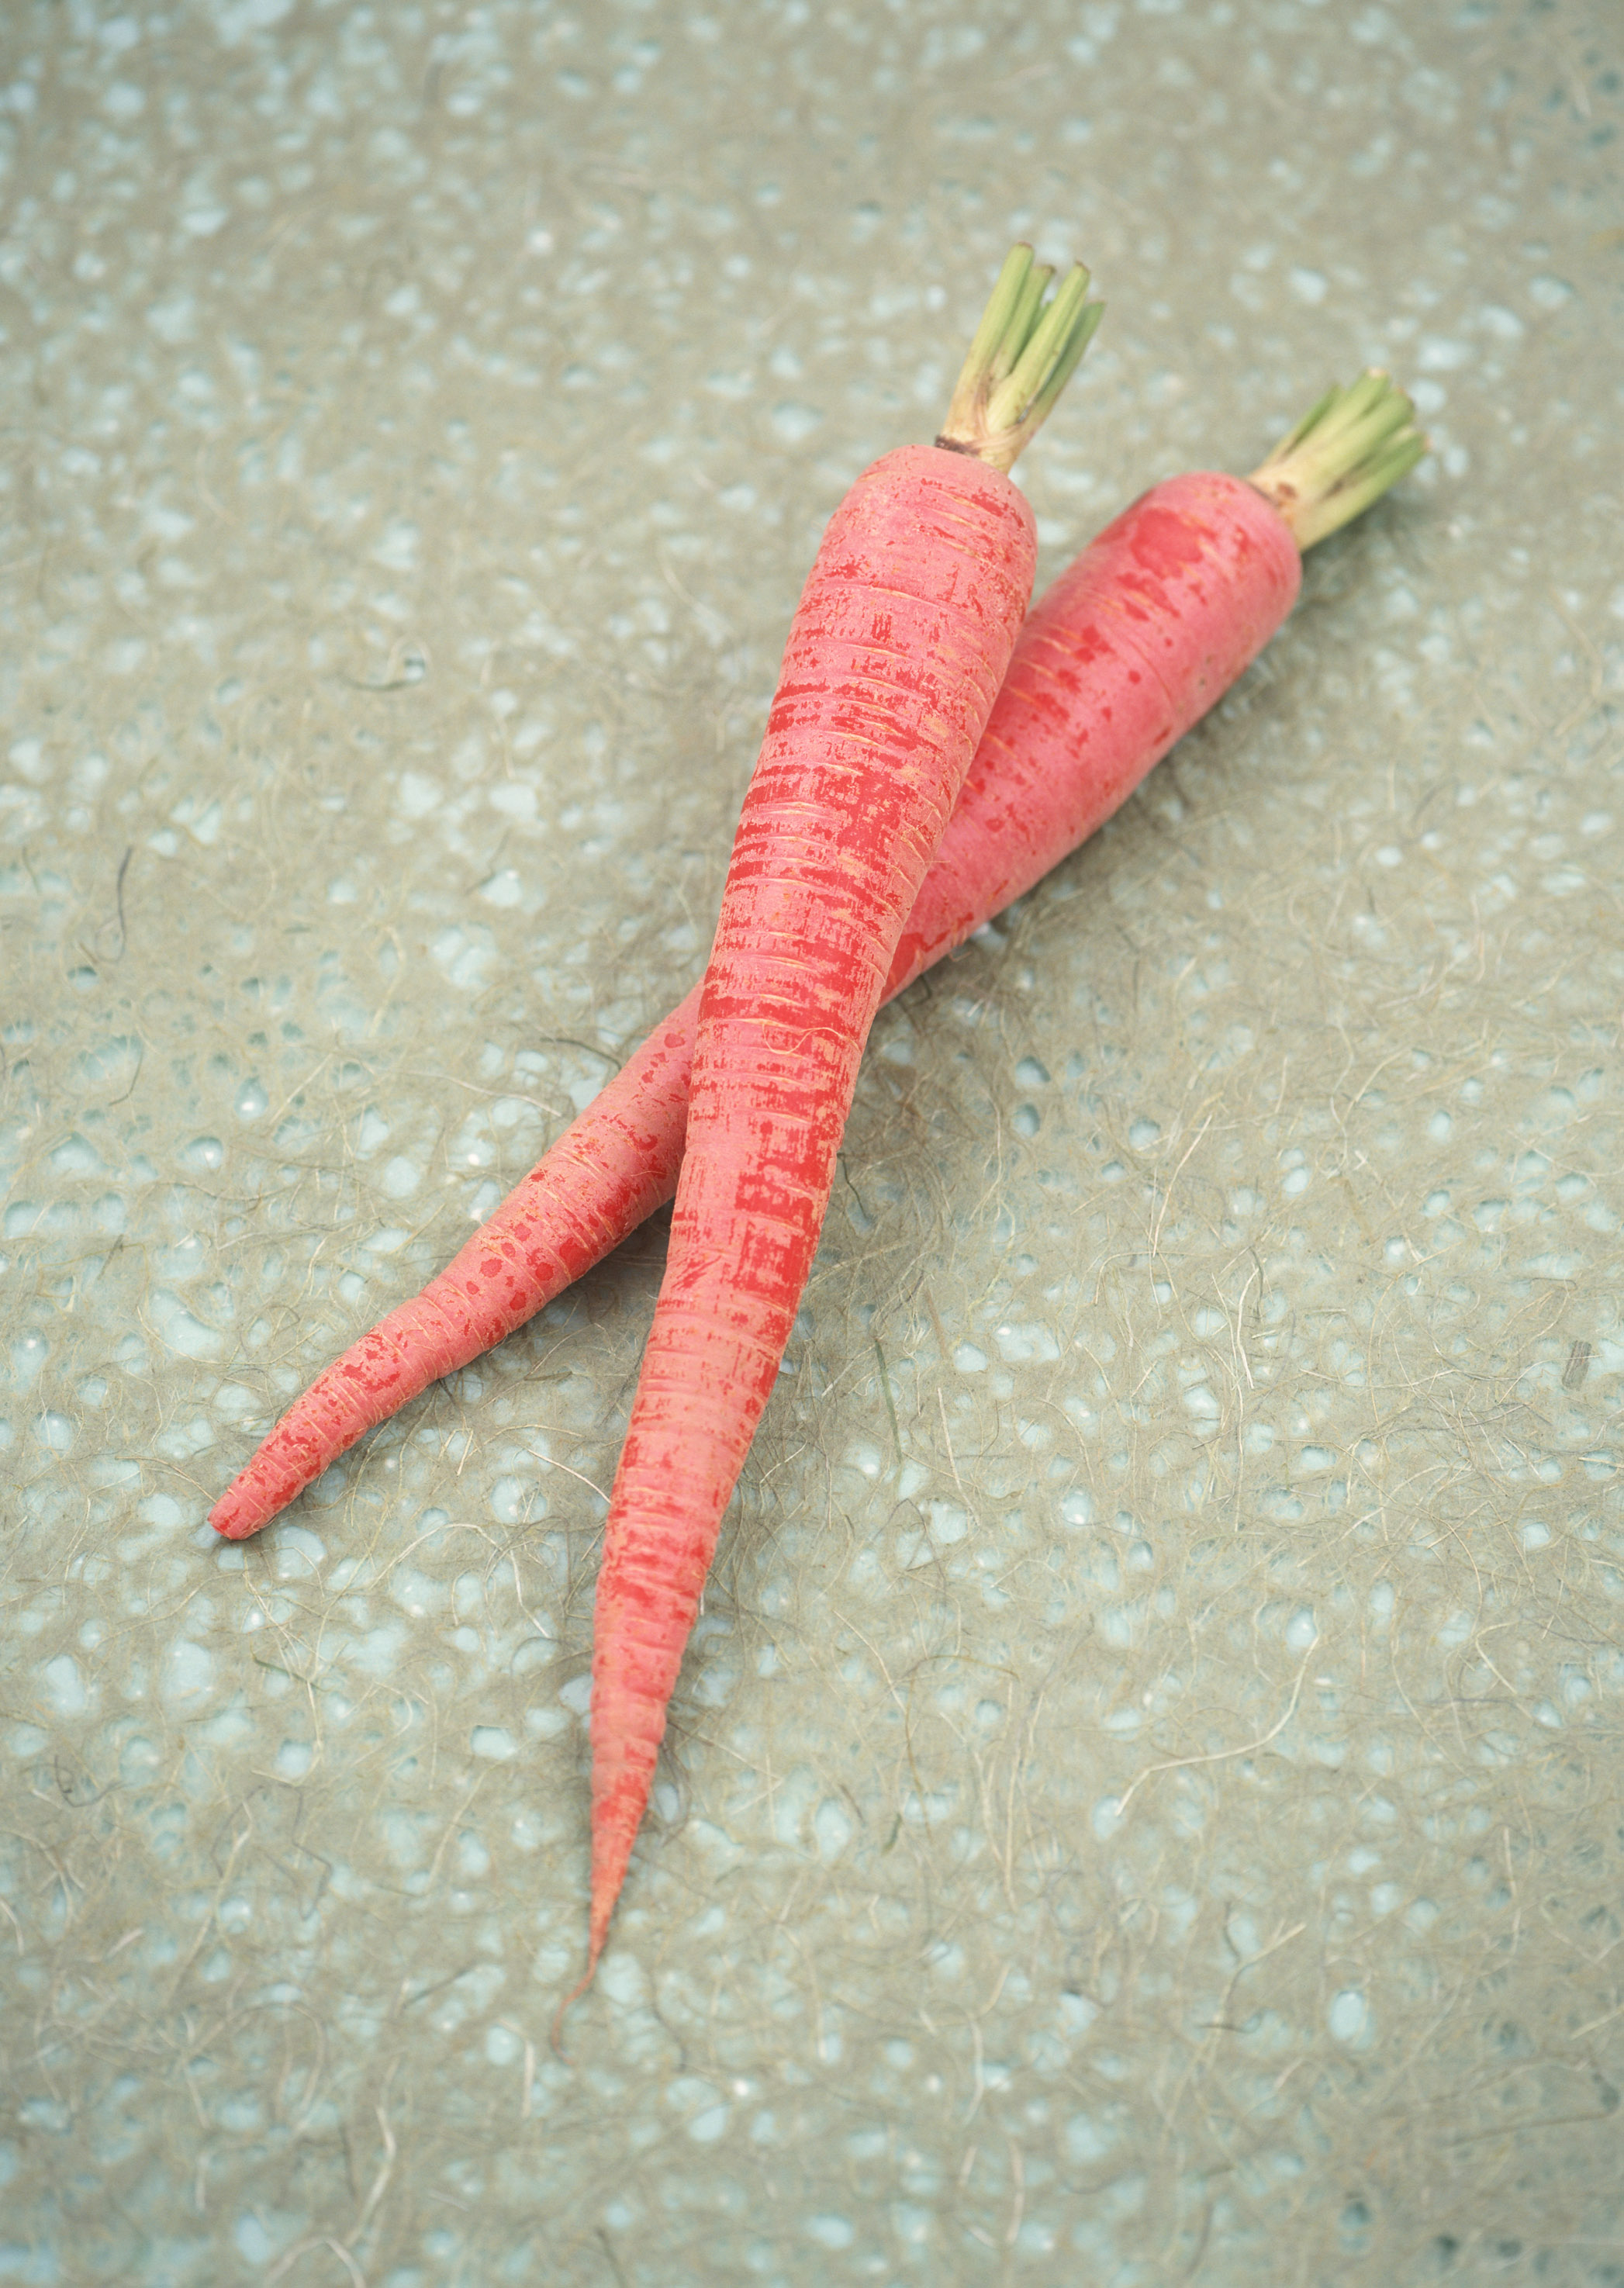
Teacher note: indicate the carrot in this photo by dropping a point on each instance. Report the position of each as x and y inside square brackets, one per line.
[1210, 564]
[895, 656]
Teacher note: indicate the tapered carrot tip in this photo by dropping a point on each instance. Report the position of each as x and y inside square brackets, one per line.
[557, 2036]
[617, 1815]
[278, 1473]
[595, 1947]
[242, 1510]
[621, 1789]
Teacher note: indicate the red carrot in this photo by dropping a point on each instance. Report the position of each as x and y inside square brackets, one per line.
[896, 653]
[1206, 568]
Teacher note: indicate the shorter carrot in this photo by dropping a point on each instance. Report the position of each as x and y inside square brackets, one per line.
[1127, 649]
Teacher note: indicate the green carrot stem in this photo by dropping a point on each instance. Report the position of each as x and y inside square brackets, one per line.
[1025, 351]
[1028, 302]
[1344, 454]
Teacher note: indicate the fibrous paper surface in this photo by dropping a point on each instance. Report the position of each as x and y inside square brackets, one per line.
[1142, 1803]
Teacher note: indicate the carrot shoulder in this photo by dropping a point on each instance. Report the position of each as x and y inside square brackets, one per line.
[1127, 649]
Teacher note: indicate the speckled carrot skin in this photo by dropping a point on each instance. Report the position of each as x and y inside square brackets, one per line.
[901, 639]
[1130, 646]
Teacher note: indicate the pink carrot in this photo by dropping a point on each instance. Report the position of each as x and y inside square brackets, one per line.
[899, 647]
[1127, 649]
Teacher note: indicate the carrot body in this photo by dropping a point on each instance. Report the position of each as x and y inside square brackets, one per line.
[1127, 649]
[901, 639]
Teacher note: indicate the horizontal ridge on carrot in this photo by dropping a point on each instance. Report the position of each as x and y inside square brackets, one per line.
[1127, 649]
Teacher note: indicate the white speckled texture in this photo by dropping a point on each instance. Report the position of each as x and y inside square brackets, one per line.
[1142, 1805]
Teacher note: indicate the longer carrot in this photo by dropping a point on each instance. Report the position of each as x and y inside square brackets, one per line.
[895, 656]
[1130, 646]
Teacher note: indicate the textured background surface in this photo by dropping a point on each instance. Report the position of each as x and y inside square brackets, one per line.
[1152, 1811]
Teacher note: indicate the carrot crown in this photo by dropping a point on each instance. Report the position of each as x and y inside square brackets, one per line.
[1025, 351]
[1343, 455]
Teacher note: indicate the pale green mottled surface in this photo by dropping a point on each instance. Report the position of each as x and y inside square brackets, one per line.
[1165, 1822]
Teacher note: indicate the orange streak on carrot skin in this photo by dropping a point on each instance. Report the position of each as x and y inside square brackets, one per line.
[1210, 569]
[830, 861]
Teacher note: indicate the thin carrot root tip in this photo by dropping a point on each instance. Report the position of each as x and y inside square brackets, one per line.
[1025, 351]
[556, 2037]
[1345, 452]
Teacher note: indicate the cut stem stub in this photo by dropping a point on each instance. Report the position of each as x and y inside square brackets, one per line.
[1343, 455]
[1025, 351]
